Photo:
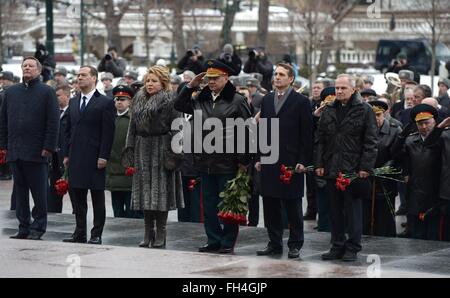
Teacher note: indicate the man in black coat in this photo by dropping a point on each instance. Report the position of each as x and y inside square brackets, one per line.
[218, 100]
[379, 212]
[6, 80]
[55, 202]
[89, 137]
[402, 63]
[422, 163]
[258, 62]
[444, 192]
[29, 132]
[192, 60]
[230, 58]
[293, 111]
[346, 141]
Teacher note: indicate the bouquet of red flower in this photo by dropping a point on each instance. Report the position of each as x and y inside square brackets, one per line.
[193, 183]
[344, 180]
[62, 185]
[130, 172]
[288, 172]
[2, 157]
[233, 208]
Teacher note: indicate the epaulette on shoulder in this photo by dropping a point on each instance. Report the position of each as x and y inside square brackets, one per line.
[392, 124]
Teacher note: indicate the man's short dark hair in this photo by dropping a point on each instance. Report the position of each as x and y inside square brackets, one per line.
[39, 65]
[288, 67]
[112, 48]
[426, 90]
[92, 70]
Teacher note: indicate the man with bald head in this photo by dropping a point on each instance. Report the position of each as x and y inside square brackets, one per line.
[346, 141]
[443, 112]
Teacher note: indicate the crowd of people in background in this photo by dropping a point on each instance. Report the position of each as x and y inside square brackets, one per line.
[92, 136]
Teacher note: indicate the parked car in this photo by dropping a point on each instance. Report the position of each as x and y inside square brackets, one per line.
[418, 52]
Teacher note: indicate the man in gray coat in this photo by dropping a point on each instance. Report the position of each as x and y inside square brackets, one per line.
[29, 123]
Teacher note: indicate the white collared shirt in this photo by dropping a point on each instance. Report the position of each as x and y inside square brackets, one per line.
[88, 97]
[63, 111]
[123, 113]
[215, 96]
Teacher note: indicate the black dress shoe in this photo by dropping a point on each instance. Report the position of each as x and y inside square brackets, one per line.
[293, 253]
[349, 256]
[19, 236]
[226, 250]
[269, 251]
[404, 234]
[34, 236]
[333, 254]
[95, 240]
[75, 240]
[209, 248]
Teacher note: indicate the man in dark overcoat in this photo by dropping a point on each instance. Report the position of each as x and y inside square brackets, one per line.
[218, 100]
[54, 201]
[293, 111]
[346, 141]
[89, 136]
[29, 132]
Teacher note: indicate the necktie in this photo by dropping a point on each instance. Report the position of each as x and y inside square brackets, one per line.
[280, 96]
[83, 105]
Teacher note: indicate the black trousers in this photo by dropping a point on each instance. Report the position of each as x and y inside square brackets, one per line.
[54, 202]
[346, 214]
[273, 208]
[253, 210]
[384, 221]
[30, 176]
[311, 194]
[98, 204]
[13, 199]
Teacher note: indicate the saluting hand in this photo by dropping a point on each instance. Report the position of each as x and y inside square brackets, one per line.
[197, 80]
[445, 123]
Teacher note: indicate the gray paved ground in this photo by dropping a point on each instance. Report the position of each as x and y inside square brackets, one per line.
[119, 256]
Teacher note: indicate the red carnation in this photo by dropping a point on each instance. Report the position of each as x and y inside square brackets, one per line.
[61, 187]
[2, 157]
[422, 216]
[130, 171]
